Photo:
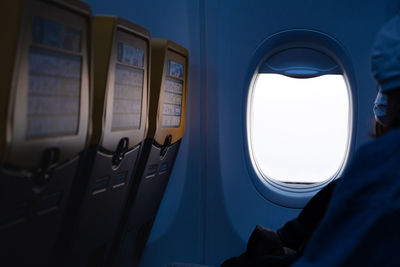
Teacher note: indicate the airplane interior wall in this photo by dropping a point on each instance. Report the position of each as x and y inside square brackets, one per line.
[211, 204]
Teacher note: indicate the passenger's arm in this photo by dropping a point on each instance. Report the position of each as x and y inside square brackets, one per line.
[298, 231]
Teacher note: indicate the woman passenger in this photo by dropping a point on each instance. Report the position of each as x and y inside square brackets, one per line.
[362, 224]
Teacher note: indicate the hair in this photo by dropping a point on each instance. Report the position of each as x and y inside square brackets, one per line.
[393, 110]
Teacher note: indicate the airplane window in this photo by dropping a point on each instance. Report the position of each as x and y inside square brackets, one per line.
[299, 129]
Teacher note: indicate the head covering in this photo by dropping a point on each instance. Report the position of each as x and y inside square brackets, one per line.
[385, 58]
[380, 107]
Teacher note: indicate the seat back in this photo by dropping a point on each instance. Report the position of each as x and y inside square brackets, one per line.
[43, 121]
[168, 90]
[121, 62]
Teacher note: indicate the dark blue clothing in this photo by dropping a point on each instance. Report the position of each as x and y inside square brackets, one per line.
[361, 226]
[281, 249]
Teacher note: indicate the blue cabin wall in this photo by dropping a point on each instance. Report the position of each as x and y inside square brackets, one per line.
[211, 204]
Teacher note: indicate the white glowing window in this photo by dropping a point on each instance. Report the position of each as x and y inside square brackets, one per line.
[299, 128]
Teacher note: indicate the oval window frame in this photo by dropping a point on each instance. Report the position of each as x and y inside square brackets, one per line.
[295, 197]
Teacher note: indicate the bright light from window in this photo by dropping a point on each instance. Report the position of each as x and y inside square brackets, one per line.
[299, 128]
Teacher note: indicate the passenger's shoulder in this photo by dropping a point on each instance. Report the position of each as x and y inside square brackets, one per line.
[372, 167]
[385, 145]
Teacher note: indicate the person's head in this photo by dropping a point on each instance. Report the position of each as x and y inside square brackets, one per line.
[385, 62]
